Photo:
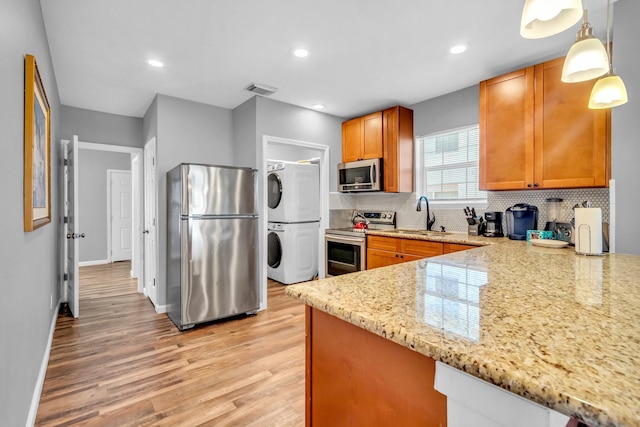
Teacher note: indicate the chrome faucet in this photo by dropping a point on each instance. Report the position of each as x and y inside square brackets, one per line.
[431, 218]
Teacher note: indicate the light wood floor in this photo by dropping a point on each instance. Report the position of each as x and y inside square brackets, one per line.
[121, 364]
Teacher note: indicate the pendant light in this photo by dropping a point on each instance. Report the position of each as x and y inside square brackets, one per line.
[544, 18]
[587, 58]
[609, 91]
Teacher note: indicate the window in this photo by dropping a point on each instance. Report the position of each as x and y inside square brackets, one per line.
[448, 165]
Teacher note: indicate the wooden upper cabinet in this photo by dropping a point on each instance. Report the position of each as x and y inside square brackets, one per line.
[506, 131]
[362, 138]
[537, 132]
[397, 124]
[572, 142]
[351, 139]
[372, 136]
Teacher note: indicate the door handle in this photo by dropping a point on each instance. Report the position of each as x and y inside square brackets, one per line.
[145, 232]
[75, 236]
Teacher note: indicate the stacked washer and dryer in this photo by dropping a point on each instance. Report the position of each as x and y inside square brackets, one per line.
[293, 192]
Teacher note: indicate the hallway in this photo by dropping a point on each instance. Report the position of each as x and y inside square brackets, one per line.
[122, 364]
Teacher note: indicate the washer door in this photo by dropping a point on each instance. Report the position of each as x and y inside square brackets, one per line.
[274, 253]
[274, 190]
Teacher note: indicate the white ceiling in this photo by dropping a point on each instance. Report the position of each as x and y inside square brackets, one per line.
[364, 54]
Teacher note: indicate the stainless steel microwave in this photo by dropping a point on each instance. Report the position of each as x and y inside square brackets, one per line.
[363, 175]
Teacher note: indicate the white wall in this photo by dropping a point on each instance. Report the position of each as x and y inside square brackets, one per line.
[625, 129]
[244, 134]
[288, 121]
[187, 132]
[92, 194]
[101, 128]
[28, 261]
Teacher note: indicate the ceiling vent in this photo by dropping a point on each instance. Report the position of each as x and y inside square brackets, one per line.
[261, 89]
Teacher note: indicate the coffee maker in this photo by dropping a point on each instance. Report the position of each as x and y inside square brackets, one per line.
[494, 224]
[520, 218]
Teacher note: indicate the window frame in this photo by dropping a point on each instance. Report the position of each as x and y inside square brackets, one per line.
[419, 176]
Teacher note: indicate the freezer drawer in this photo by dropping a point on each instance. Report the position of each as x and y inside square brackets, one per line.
[219, 268]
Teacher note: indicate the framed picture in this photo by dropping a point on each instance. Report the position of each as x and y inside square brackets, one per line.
[37, 152]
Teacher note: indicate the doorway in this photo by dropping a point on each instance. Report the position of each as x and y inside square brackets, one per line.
[272, 148]
[98, 195]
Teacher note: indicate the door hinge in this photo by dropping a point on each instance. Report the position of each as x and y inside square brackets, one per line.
[65, 220]
[65, 276]
[65, 162]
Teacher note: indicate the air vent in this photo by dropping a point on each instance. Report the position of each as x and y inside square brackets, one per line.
[261, 89]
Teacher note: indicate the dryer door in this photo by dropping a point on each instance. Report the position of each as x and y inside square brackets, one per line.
[274, 253]
[274, 190]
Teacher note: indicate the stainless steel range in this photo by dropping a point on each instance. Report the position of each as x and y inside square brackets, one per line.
[346, 247]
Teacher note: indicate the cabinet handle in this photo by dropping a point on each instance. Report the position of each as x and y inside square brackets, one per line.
[402, 256]
[535, 185]
[529, 185]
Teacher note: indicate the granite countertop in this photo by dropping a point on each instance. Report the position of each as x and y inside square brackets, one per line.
[552, 326]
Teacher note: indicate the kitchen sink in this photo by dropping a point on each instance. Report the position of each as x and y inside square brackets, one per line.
[419, 232]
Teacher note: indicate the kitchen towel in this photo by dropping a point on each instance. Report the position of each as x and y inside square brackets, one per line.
[588, 230]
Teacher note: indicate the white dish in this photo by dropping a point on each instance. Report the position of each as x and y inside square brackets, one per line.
[547, 243]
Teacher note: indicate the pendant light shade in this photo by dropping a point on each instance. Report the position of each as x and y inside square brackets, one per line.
[544, 18]
[609, 91]
[587, 57]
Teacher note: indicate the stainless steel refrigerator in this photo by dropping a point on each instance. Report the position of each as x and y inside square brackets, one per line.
[212, 243]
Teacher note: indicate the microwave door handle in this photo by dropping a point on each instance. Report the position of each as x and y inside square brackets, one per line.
[373, 175]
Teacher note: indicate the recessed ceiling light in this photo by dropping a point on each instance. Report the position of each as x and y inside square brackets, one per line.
[301, 53]
[155, 63]
[318, 106]
[458, 49]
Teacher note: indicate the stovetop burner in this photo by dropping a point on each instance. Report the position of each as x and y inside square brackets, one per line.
[383, 220]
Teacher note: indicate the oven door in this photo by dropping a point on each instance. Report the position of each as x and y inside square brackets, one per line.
[344, 254]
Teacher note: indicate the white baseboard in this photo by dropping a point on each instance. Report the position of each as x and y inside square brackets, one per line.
[37, 392]
[161, 309]
[95, 262]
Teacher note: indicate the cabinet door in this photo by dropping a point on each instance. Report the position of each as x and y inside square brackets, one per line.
[372, 136]
[506, 131]
[455, 247]
[420, 248]
[398, 143]
[379, 258]
[351, 140]
[572, 144]
[384, 243]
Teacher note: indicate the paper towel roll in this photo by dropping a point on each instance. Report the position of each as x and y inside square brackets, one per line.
[588, 231]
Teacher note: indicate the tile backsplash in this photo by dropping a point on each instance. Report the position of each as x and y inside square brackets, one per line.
[454, 220]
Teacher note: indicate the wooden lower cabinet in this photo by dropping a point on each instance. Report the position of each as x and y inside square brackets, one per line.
[383, 251]
[455, 247]
[356, 378]
[377, 258]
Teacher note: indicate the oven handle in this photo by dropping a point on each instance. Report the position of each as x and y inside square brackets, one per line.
[343, 239]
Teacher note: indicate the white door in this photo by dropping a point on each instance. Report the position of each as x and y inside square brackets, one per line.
[120, 214]
[73, 235]
[150, 241]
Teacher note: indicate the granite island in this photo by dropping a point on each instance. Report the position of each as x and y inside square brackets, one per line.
[559, 329]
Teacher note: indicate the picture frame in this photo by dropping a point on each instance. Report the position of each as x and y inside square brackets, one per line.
[37, 149]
